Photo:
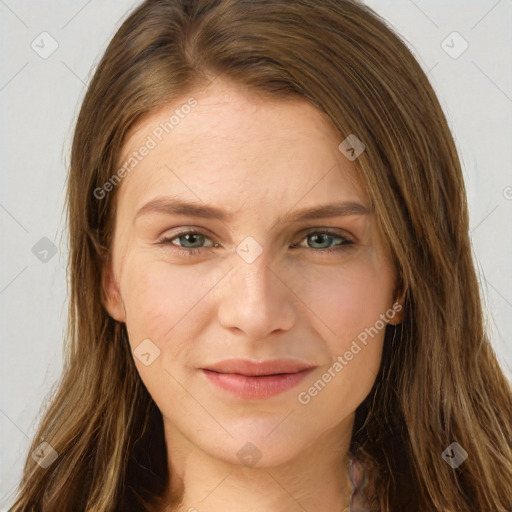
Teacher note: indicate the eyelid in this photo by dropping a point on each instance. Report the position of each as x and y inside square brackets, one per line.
[186, 231]
[330, 231]
[181, 231]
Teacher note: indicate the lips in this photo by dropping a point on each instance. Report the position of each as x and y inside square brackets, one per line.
[245, 379]
[249, 368]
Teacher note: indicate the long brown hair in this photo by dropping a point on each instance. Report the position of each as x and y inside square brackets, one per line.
[439, 381]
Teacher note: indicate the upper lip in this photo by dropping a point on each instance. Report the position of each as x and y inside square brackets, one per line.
[252, 368]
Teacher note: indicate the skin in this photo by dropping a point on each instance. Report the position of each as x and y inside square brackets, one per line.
[258, 160]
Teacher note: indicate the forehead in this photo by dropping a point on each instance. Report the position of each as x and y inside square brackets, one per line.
[235, 146]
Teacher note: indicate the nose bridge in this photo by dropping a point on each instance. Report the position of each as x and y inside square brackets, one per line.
[254, 299]
[256, 279]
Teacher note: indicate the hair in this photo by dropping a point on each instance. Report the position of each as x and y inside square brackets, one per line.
[439, 380]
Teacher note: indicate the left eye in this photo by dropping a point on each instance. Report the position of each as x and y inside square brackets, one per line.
[190, 237]
[325, 236]
[195, 237]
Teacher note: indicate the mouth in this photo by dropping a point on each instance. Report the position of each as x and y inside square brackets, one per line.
[247, 379]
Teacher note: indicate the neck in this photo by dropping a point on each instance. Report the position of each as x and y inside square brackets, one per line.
[314, 479]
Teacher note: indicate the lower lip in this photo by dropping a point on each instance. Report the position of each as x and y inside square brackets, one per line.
[255, 387]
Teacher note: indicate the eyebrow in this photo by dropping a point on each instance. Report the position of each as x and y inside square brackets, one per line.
[175, 206]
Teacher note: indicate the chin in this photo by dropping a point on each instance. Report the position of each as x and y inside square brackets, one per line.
[253, 447]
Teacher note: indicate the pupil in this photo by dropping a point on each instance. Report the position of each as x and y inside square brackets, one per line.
[190, 236]
[318, 238]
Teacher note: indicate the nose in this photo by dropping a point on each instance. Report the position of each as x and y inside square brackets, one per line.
[256, 300]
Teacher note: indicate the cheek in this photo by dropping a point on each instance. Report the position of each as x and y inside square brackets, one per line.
[348, 299]
[156, 289]
[350, 304]
[165, 304]
[158, 297]
[152, 301]
[159, 302]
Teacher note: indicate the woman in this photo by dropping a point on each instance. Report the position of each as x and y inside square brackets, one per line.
[257, 370]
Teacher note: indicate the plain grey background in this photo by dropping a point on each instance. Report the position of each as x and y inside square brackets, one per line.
[49, 51]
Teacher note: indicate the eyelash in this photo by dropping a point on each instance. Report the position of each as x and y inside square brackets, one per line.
[346, 244]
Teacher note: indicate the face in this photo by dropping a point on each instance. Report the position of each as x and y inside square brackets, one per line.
[255, 282]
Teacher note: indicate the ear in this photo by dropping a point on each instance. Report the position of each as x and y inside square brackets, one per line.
[398, 307]
[111, 295]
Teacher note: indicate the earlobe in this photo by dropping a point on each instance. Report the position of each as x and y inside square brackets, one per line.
[111, 295]
[398, 308]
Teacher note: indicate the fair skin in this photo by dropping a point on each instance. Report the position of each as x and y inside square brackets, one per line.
[258, 161]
